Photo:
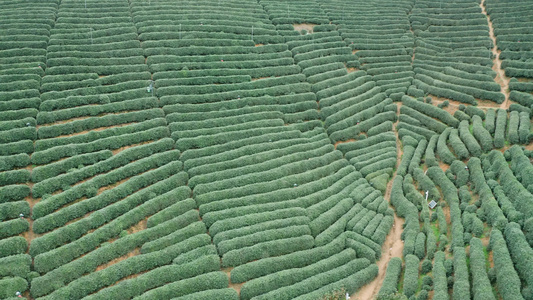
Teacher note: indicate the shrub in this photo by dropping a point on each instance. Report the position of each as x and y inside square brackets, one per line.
[10, 285]
[431, 111]
[109, 143]
[351, 283]
[512, 133]
[461, 172]
[408, 152]
[208, 281]
[14, 161]
[61, 217]
[174, 238]
[327, 218]
[322, 279]
[17, 265]
[426, 268]
[13, 227]
[14, 177]
[420, 245]
[298, 259]
[520, 251]
[410, 282]
[41, 173]
[468, 139]
[458, 147]
[461, 116]
[160, 275]
[431, 245]
[76, 269]
[461, 286]
[392, 276]
[423, 119]
[481, 287]
[226, 293]
[439, 278]
[525, 128]
[133, 208]
[490, 120]
[289, 277]
[474, 111]
[277, 247]
[11, 193]
[507, 279]
[430, 159]
[144, 155]
[12, 246]
[499, 131]
[442, 148]
[482, 134]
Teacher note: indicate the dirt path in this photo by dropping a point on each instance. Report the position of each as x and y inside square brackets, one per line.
[501, 79]
[393, 245]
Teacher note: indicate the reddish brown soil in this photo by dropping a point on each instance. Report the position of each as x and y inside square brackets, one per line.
[235, 286]
[342, 142]
[350, 70]
[307, 26]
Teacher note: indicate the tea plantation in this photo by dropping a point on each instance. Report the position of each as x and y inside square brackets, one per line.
[266, 149]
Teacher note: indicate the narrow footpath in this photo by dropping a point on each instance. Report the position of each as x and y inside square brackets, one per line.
[501, 79]
[393, 245]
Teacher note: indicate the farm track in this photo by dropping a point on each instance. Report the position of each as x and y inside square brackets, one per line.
[393, 245]
[501, 79]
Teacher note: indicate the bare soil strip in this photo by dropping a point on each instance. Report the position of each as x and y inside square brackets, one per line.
[393, 245]
[501, 79]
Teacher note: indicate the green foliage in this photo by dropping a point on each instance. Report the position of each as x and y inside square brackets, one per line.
[127, 213]
[410, 281]
[277, 247]
[481, 134]
[289, 277]
[426, 268]
[481, 287]
[525, 128]
[420, 245]
[521, 252]
[430, 159]
[109, 143]
[69, 272]
[48, 220]
[499, 131]
[15, 266]
[321, 279]
[213, 280]
[507, 279]
[512, 128]
[10, 285]
[468, 139]
[457, 145]
[461, 286]
[13, 227]
[439, 277]
[226, 293]
[392, 277]
[158, 275]
[298, 259]
[134, 158]
[12, 246]
[14, 161]
[442, 148]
